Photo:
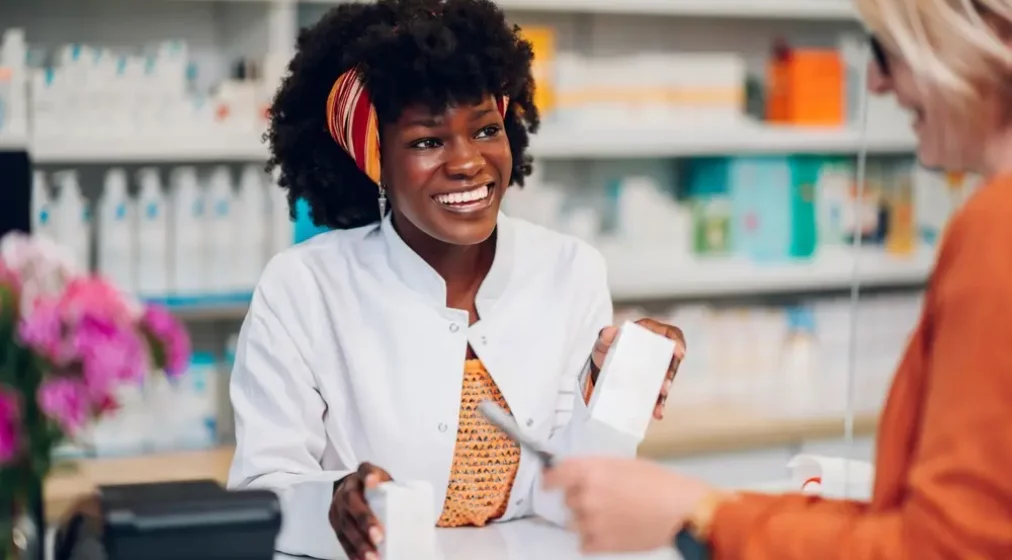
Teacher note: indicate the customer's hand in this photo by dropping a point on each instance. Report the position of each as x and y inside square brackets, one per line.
[625, 505]
[358, 530]
[607, 337]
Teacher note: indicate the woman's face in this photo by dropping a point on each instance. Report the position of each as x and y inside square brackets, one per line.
[946, 138]
[446, 173]
[898, 79]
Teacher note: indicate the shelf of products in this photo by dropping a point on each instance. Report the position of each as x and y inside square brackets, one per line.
[789, 9]
[553, 142]
[679, 141]
[208, 147]
[638, 275]
[683, 432]
[699, 431]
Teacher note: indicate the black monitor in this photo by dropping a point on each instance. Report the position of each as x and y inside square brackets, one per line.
[15, 191]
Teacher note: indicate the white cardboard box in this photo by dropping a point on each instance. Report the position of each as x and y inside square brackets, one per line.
[409, 524]
[630, 380]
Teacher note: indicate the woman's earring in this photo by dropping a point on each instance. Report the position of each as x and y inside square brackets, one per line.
[382, 202]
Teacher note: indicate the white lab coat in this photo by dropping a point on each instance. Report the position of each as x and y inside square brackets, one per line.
[350, 354]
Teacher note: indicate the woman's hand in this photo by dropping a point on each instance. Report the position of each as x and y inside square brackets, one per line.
[357, 529]
[607, 337]
[625, 505]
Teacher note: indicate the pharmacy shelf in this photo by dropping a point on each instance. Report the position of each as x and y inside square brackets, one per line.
[552, 142]
[646, 275]
[654, 275]
[701, 430]
[774, 9]
[780, 9]
[227, 307]
[562, 142]
[196, 149]
[685, 432]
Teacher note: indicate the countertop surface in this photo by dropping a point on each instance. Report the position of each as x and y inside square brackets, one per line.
[526, 539]
[684, 432]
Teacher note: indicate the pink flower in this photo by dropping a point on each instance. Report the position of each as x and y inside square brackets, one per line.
[10, 425]
[66, 402]
[42, 267]
[42, 330]
[94, 295]
[109, 353]
[170, 335]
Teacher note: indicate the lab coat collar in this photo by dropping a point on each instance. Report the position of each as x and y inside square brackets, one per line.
[415, 273]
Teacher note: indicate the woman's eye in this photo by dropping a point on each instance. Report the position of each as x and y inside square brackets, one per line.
[489, 131]
[425, 143]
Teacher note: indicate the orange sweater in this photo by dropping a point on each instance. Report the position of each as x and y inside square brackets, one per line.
[943, 487]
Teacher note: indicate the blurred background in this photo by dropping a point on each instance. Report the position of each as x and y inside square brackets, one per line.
[707, 147]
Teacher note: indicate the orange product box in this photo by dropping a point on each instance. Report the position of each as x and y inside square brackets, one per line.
[806, 87]
[542, 41]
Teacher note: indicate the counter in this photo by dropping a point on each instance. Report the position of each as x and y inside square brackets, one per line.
[683, 433]
[526, 539]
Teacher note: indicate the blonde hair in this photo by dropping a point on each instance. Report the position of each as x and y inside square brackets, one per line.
[956, 48]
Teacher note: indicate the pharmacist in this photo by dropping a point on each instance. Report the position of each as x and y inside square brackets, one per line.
[943, 487]
[367, 348]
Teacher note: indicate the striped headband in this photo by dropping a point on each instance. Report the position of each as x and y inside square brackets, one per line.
[352, 122]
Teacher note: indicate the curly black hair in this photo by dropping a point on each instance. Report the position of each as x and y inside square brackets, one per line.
[432, 52]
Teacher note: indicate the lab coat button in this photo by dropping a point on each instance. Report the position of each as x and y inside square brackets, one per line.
[484, 340]
[442, 427]
[520, 502]
[530, 422]
[454, 327]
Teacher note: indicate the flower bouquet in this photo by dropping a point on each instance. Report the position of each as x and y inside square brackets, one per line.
[69, 342]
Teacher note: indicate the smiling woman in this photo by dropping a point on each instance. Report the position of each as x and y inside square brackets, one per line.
[367, 349]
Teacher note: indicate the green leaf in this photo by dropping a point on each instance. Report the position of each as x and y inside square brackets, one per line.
[158, 355]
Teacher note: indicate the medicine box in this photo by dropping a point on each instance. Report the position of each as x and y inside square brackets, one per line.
[631, 379]
[409, 524]
[774, 207]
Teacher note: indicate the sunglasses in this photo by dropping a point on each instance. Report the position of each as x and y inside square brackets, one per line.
[879, 52]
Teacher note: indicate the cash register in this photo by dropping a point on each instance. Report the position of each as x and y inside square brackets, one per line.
[194, 520]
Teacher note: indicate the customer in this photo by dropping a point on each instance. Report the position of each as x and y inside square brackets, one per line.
[367, 349]
[943, 487]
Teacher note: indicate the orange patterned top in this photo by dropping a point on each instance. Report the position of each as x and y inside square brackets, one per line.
[486, 460]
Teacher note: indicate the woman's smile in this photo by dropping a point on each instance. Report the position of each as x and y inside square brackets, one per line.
[468, 199]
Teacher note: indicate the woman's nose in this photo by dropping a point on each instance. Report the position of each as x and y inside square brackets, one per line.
[878, 82]
[465, 160]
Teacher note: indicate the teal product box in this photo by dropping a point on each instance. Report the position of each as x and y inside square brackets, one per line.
[773, 207]
[805, 174]
[304, 226]
[706, 182]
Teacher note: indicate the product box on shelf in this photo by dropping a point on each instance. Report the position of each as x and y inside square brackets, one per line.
[806, 87]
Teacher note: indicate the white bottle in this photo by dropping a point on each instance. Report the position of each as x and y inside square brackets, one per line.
[152, 236]
[42, 206]
[72, 220]
[222, 232]
[251, 207]
[196, 407]
[282, 230]
[187, 233]
[116, 239]
[14, 105]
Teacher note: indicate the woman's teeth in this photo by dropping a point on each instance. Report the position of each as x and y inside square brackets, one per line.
[464, 197]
